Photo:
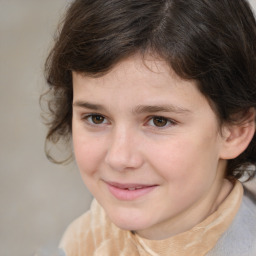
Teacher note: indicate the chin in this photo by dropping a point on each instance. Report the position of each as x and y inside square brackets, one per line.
[130, 226]
[129, 221]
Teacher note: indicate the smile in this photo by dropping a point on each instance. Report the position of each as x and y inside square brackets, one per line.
[128, 192]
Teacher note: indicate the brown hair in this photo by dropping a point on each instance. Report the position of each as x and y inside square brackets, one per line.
[212, 42]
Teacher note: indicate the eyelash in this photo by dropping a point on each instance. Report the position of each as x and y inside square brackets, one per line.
[169, 122]
[90, 116]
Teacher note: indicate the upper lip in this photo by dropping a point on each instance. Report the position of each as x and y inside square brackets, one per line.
[129, 185]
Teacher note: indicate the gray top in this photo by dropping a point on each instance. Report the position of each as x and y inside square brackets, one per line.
[240, 238]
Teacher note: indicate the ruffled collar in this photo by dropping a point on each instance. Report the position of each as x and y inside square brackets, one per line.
[201, 238]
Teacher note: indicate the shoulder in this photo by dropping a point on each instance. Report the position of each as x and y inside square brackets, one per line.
[240, 238]
[94, 234]
[76, 231]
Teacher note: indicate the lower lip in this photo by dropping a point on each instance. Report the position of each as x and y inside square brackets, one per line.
[128, 195]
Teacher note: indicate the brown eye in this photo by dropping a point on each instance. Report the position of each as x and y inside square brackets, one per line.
[160, 121]
[97, 119]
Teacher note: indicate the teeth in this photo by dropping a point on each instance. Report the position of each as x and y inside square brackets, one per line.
[134, 188]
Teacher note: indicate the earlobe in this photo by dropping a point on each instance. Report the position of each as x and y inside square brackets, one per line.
[237, 137]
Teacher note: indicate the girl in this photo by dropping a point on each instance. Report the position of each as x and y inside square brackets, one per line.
[159, 100]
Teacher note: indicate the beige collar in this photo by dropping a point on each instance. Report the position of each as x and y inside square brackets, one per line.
[201, 238]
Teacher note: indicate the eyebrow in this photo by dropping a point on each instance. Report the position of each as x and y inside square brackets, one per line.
[160, 108]
[88, 105]
[140, 109]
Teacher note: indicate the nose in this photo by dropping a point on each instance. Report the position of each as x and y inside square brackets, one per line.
[123, 152]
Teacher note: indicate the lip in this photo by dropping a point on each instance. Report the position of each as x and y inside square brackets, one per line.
[129, 191]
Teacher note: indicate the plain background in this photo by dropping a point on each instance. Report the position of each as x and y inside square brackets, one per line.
[38, 199]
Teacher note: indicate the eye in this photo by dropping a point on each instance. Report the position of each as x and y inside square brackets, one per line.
[95, 119]
[160, 121]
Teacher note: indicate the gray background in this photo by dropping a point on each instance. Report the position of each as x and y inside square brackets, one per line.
[38, 199]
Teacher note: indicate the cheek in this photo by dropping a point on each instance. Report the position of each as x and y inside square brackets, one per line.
[186, 173]
[88, 153]
[185, 162]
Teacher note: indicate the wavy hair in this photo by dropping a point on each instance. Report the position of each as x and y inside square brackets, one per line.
[212, 42]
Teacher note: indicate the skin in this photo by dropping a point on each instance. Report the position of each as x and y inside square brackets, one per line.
[151, 128]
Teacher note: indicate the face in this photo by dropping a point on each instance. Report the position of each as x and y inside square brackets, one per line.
[148, 147]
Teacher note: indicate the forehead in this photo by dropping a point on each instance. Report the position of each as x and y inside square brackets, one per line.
[136, 69]
[147, 73]
[140, 83]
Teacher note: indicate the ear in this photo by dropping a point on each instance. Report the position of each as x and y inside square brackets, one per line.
[237, 137]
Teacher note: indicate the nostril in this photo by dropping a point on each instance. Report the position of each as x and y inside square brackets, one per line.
[123, 159]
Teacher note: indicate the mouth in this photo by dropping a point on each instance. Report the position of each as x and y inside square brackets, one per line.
[129, 191]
